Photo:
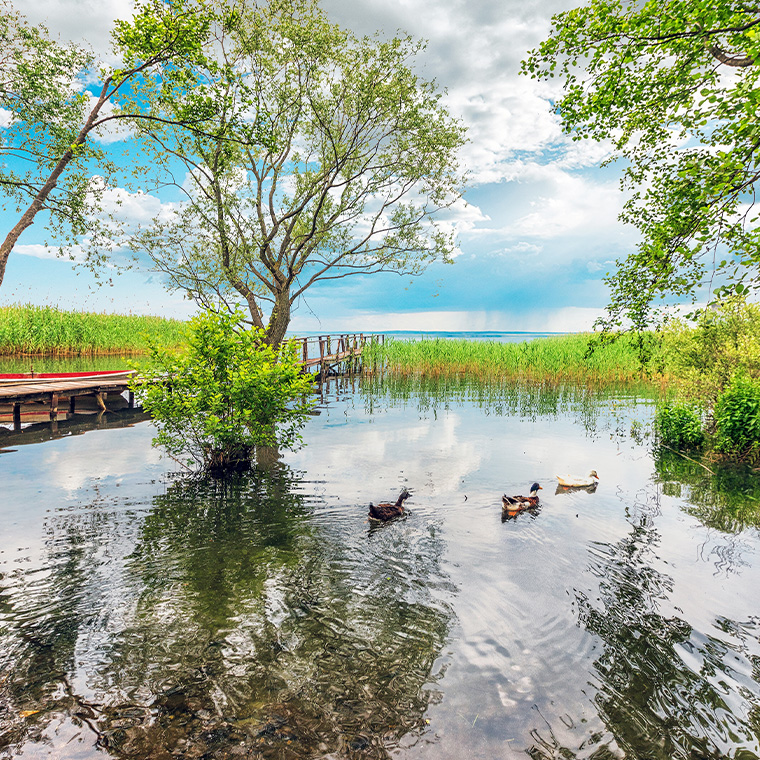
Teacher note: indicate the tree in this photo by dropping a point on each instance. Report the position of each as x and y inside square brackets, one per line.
[329, 157]
[672, 84]
[46, 146]
[227, 393]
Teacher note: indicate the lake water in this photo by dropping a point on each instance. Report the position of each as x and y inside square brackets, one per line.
[143, 615]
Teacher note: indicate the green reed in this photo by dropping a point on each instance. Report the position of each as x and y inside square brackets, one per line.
[48, 330]
[561, 357]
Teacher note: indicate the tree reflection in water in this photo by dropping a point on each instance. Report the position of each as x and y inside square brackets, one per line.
[662, 686]
[245, 628]
[726, 499]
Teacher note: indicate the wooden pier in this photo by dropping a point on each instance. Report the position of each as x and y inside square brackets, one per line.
[329, 355]
[326, 352]
[51, 392]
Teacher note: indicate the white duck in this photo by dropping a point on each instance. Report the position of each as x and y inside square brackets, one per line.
[572, 481]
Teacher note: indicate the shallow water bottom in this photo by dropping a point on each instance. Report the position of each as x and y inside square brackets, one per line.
[143, 614]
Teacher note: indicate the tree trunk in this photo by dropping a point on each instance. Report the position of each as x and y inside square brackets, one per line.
[279, 319]
[36, 205]
[39, 200]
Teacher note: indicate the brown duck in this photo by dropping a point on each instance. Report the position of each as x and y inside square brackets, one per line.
[513, 504]
[386, 511]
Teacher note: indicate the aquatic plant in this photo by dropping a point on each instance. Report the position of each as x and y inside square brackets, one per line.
[558, 357]
[48, 330]
[226, 394]
[679, 425]
[703, 358]
[737, 419]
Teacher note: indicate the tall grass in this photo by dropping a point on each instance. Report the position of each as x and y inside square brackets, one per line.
[47, 330]
[561, 357]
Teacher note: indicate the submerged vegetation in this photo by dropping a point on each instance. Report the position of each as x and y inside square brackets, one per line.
[709, 372]
[48, 330]
[715, 367]
[226, 394]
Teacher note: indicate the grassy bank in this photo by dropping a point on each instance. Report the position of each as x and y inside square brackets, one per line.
[49, 331]
[561, 357]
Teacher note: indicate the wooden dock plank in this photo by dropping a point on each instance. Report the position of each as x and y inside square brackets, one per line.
[51, 390]
[33, 391]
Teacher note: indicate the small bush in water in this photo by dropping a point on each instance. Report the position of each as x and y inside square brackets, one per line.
[227, 393]
[679, 425]
[737, 416]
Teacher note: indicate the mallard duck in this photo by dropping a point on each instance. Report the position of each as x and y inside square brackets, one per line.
[571, 481]
[518, 503]
[386, 511]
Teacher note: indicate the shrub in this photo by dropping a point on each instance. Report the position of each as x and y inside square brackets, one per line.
[679, 425]
[724, 343]
[227, 393]
[737, 416]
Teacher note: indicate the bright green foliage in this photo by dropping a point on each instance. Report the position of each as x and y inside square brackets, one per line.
[328, 156]
[726, 499]
[226, 394]
[679, 425]
[565, 357]
[51, 331]
[737, 417]
[50, 157]
[673, 85]
[704, 358]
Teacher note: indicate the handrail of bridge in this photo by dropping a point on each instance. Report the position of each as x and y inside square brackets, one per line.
[318, 349]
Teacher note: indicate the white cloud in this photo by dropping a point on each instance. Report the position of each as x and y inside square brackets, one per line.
[112, 131]
[81, 21]
[475, 50]
[46, 252]
[568, 204]
[568, 319]
[522, 248]
[133, 209]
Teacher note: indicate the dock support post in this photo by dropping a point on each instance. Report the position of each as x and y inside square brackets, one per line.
[17, 416]
[53, 407]
[131, 399]
[72, 404]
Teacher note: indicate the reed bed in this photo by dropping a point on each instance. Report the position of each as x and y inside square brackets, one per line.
[49, 331]
[565, 357]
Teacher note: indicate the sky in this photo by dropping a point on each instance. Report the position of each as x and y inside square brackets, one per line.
[538, 229]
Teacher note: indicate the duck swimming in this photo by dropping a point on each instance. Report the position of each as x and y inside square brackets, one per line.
[386, 511]
[514, 504]
[572, 481]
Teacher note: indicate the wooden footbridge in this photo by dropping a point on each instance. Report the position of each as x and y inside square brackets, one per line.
[329, 355]
[335, 354]
[50, 391]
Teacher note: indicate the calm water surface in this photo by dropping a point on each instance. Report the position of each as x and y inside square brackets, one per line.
[143, 615]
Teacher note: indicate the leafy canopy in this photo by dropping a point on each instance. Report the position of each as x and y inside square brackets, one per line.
[672, 84]
[51, 157]
[226, 394]
[328, 157]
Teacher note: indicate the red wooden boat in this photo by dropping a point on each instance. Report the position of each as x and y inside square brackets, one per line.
[19, 378]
